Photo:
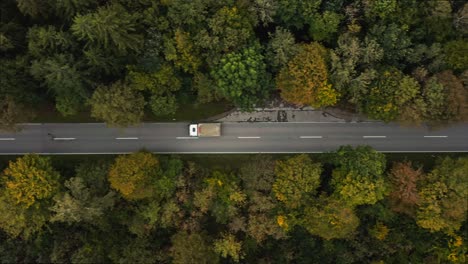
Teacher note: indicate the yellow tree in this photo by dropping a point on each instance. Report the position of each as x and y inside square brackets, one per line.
[304, 80]
[132, 175]
[30, 178]
[296, 179]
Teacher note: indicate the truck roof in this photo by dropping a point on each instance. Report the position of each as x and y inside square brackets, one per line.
[209, 129]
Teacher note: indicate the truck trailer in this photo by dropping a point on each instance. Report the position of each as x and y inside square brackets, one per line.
[205, 130]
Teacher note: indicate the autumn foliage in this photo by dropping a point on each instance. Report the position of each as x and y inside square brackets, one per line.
[304, 80]
[404, 196]
[132, 175]
[29, 179]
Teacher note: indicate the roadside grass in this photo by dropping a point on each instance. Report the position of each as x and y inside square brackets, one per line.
[187, 111]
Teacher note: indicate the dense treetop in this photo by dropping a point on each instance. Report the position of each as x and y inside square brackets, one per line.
[341, 207]
[393, 60]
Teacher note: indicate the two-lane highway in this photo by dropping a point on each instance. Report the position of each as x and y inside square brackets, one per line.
[96, 138]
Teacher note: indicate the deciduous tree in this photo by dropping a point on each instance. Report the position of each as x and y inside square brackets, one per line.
[330, 219]
[133, 175]
[304, 81]
[281, 48]
[242, 78]
[80, 203]
[29, 179]
[161, 85]
[358, 178]
[229, 246]
[404, 194]
[443, 203]
[118, 105]
[192, 248]
[297, 179]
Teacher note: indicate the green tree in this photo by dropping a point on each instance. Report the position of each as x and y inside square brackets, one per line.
[111, 26]
[296, 13]
[133, 175]
[394, 96]
[297, 179]
[62, 77]
[324, 26]
[44, 41]
[183, 52]
[28, 185]
[379, 9]
[281, 48]
[230, 29]
[330, 219]
[352, 66]
[457, 54]
[221, 196]
[394, 40]
[446, 98]
[264, 10]
[118, 105]
[18, 221]
[69, 8]
[229, 246]
[304, 81]
[192, 248]
[161, 85]
[443, 204]
[358, 178]
[34, 8]
[241, 77]
[79, 203]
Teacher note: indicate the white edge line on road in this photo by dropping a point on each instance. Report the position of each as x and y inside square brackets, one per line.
[224, 152]
[125, 138]
[435, 136]
[247, 137]
[186, 137]
[64, 138]
[7, 139]
[374, 136]
[310, 136]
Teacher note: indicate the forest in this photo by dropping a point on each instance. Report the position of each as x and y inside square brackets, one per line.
[354, 205]
[127, 61]
[124, 62]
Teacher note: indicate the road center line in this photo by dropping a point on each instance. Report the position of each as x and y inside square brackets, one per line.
[247, 137]
[186, 137]
[126, 138]
[435, 136]
[7, 139]
[64, 138]
[374, 136]
[310, 136]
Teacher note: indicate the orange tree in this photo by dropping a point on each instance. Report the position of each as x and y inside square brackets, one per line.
[304, 80]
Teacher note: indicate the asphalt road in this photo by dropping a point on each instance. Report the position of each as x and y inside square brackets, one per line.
[96, 138]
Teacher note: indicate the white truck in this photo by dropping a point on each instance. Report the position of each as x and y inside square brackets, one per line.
[205, 130]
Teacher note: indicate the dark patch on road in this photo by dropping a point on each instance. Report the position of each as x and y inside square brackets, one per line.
[282, 116]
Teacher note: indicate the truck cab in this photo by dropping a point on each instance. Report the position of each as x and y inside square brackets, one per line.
[193, 130]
